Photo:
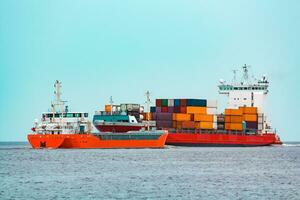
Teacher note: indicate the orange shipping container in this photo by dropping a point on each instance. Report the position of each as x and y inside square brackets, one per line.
[188, 124]
[204, 125]
[181, 117]
[234, 126]
[250, 118]
[233, 112]
[249, 110]
[233, 119]
[147, 116]
[195, 110]
[177, 125]
[236, 119]
[107, 108]
[203, 118]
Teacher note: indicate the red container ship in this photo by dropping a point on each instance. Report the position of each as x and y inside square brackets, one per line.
[63, 129]
[195, 122]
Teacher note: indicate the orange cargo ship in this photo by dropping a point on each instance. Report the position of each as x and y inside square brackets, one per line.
[87, 141]
[63, 129]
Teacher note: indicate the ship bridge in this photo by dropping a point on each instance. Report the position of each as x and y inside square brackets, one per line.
[247, 92]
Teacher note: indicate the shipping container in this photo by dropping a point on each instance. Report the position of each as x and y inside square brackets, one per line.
[158, 102]
[171, 102]
[196, 110]
[196, 102]
[176, 102]
[176, 109]
[107, 108]
[221, 126]
[220, 118]
[152, 109]
[204, 125]
[215, 125]
[182, 102]
[164, 124]
[181, 117]
[174, 124]
[250, 117]
[158, 109]
[215, 119]
[234, 126]
[251, 125]
[182, 109]
[212, 104]
[164, 102]
[164, 109]
[170, 109]
[233, 119]
[212, 111]
[203, 118]
[164, 116]
[188, 124]
[248, 110]
[233, 112]
[147, 116]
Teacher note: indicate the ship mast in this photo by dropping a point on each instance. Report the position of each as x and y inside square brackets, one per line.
[234, 75]
[111, 105]
[148, 109]
[58, 102]
[245, 75]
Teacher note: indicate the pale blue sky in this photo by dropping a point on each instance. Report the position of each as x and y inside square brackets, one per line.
[122, 48]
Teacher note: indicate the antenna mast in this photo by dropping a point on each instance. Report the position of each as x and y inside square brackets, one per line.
[148, 109]
[111, 105]
[245, 75]
[234, 75]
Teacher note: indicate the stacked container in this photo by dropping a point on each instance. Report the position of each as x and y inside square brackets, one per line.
[250, 117]
[185, 113]
[233, 119]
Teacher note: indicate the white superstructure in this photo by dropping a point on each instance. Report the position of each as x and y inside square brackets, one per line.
[59, 120]
[247, 91]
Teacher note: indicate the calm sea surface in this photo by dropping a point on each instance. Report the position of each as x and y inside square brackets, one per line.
[170, 173]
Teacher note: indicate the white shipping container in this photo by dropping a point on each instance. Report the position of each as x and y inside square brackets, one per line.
[215, 119]
[170, 102]
[260, 127]
[215, 126]
[212, 104]
[212, 111]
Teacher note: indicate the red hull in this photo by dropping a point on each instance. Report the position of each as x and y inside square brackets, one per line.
[89, 141]
[117, 129]
[204, 139]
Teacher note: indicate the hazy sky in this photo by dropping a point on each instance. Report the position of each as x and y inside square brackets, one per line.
[123, 48]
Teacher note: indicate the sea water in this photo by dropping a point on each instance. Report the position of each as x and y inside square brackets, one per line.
[170, 173]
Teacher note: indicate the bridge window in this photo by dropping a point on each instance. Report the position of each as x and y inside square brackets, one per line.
[49, 115]
[86, 114]
[57, 115]
[69, 115]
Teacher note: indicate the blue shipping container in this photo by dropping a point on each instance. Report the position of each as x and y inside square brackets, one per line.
[196, 102]
[176, 102]
[152, 109]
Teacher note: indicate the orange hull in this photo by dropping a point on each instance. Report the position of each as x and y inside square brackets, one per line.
[89, 141]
